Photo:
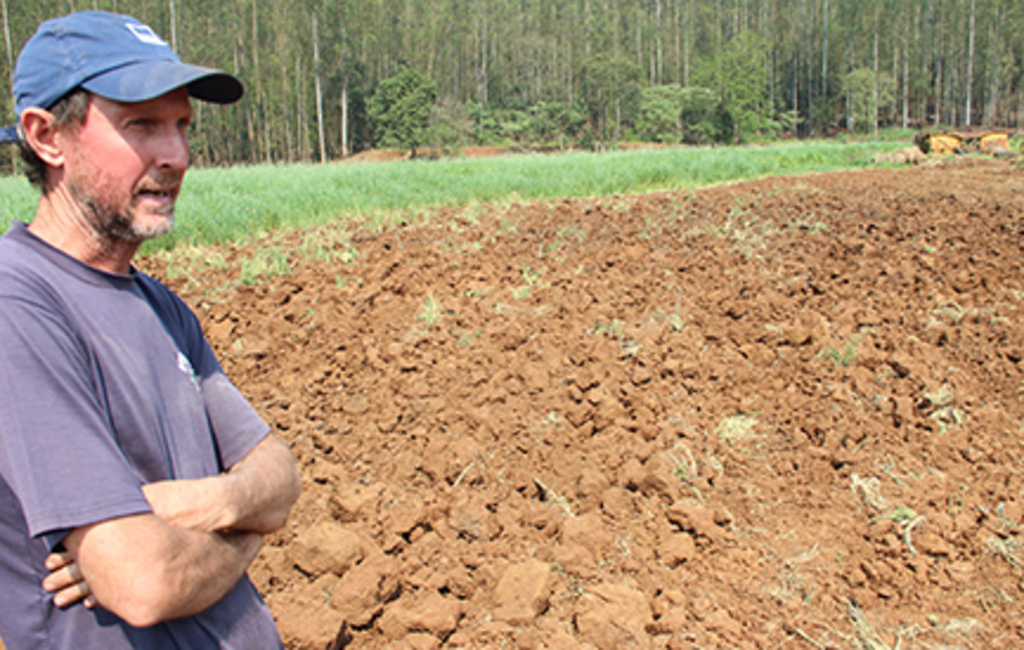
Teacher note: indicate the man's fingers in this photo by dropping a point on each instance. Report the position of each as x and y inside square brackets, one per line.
[66, 582]
[73, 594]
[64, 577]
[55, 561]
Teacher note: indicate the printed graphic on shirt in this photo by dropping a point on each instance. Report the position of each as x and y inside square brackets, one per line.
[186, 367]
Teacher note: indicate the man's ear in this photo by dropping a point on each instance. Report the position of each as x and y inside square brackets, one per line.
[40, 131]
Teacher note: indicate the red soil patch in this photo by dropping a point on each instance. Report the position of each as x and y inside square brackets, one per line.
[784, 413]
[392, 155]
[484, 152]
[637, 146]
[377, 155]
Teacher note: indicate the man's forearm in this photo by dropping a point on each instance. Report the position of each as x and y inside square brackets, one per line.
[196, 545]
[256, 494]
[147, 571]
[263, 486]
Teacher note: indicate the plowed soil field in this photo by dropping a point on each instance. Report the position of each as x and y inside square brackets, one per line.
[775, 414]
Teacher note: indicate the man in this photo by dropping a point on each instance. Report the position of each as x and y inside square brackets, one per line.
[135, 480]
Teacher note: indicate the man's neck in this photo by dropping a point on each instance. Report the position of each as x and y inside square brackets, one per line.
[61, 223]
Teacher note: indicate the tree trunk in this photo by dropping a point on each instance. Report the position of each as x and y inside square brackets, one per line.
[895, 80]
[267, 149]
[657, 31]
[174, 27]
[951, 93]
[824, 56]
[874, 92]
[1020, 103]
[258, 113]
[848, 96]
[588, 20]
[344, 84]
[808, 8]
[795, 88]
[922, 100]
[995, 71]
[677, 42]
[970, 64]
[639, 42]
[10, 70]
[687, 17]
[7, 41]
[319, 92]
[618, 117]
[344, 118]
[939, 72]
[290, 136]
[769, 60]
[906, 85]
[482, 75]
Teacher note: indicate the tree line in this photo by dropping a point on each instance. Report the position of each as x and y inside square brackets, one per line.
[327, 78]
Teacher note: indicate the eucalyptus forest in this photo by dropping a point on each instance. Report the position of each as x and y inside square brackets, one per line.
[328, 78]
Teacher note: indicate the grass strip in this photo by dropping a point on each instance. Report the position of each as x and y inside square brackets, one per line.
[231, 204]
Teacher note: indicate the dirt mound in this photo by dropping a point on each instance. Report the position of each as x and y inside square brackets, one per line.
[778, 413]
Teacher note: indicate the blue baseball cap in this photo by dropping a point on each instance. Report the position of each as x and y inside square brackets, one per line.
[113, 56]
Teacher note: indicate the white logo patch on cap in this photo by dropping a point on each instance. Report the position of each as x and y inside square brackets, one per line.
[145, 34]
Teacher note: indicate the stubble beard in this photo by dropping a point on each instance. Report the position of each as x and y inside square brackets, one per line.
[113, 224]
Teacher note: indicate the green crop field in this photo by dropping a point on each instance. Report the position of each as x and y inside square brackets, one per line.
[241, 202]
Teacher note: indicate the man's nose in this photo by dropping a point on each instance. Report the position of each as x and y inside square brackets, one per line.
[174, 153]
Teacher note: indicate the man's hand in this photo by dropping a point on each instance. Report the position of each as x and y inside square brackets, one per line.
[65, 581]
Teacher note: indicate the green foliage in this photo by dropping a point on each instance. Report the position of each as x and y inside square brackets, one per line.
[543, 123]
[860, 87]
[788, 121]
[738, 75]
[513, 124]
[538, 68]
[693, 115]
[353, 75]
[486, 130]
[554, 121]
[611, 91]
[704, 117]
[399, 110]
[450, 125]
[661, 110]
[492, 126]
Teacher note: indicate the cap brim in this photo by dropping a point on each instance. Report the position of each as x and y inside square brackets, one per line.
[9, 134]
[139, 82]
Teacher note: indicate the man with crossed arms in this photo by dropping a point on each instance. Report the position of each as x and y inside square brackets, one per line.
[135, 480]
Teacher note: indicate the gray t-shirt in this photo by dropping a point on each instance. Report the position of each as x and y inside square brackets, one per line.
[106, 383]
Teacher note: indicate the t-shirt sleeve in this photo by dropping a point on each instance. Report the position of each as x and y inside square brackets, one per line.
[237, 427]
[57, 450]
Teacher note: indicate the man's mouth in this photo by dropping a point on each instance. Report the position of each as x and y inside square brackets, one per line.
[156, 193]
